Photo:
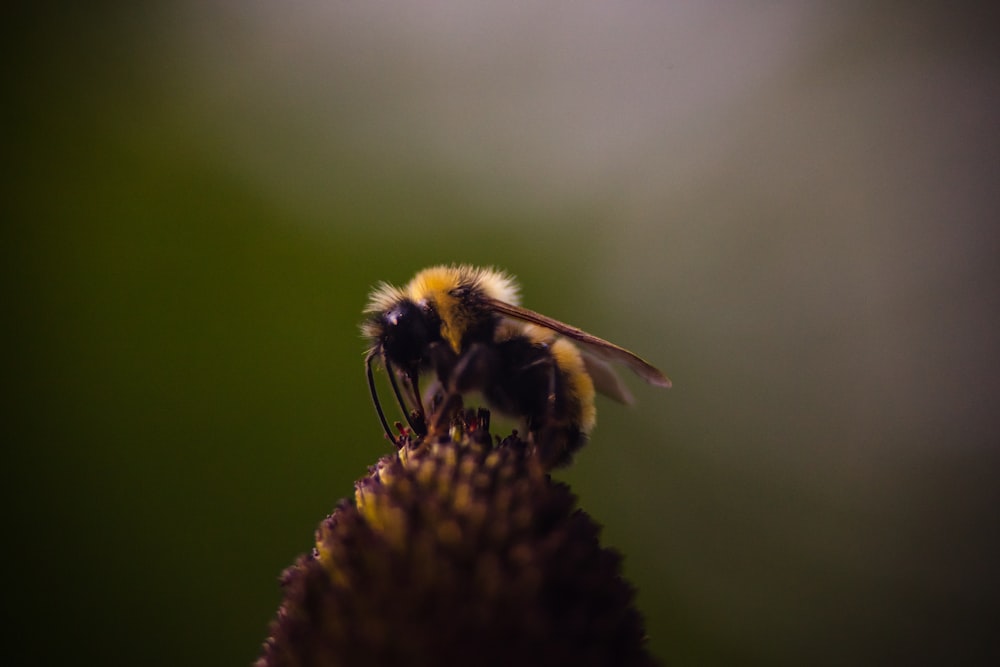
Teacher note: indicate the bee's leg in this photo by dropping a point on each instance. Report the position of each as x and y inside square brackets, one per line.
[554, 434]
[442, 417]
[455, 376]
[434, 396]
[413, 381]
[550, 399]
[473, 370]
[415, 426]
[551, 370]
[459, 375]
[547, 432]
[442, 360]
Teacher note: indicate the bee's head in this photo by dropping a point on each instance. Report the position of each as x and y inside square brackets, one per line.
[406, 330]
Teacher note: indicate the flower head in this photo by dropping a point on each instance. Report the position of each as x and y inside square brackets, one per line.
[457, 551]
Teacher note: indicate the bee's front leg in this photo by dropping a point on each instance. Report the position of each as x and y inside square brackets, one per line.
[475, 370]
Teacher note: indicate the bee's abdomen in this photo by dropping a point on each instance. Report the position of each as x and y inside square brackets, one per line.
[547, 385]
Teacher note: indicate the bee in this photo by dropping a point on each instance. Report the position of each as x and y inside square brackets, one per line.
[465, 327]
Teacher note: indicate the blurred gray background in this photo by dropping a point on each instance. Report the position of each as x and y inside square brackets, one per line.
[789, 207]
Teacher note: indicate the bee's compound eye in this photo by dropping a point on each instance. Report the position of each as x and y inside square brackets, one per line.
[410, 328]
[401, 315]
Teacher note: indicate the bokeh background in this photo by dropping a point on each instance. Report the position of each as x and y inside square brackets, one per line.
[789, 207]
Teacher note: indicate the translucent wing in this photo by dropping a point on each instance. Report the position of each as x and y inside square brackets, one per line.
[605, 378]
[598, 346]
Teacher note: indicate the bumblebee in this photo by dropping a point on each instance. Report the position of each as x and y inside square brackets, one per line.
[465, 327]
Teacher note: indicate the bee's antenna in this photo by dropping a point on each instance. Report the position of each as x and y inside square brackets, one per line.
[399, 397]
[371, 386]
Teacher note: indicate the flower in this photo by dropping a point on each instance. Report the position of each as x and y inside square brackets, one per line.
[457, 551]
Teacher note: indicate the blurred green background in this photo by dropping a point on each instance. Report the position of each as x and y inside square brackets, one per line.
[790, 208]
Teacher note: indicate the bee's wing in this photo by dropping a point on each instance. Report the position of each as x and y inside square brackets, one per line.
[598, 346]
[605, 378]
